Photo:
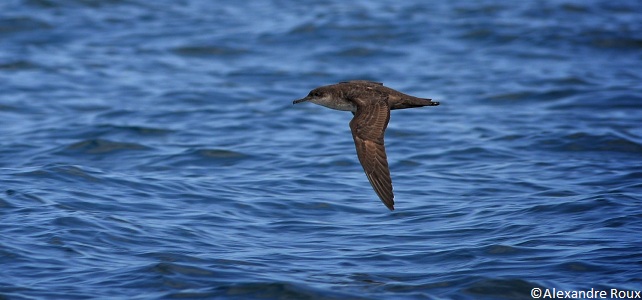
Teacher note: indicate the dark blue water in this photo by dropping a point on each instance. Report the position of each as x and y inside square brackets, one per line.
[150, 150]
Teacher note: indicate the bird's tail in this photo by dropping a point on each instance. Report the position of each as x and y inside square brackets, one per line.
[410, 102]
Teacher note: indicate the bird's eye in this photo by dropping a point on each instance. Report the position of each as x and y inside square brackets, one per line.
[315, 94]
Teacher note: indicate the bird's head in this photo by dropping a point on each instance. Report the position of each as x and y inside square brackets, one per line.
[317, 96]
[330, 96]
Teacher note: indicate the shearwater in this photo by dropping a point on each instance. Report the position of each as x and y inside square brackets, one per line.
[370, 103]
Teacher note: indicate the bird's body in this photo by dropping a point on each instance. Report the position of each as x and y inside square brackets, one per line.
[370, 103]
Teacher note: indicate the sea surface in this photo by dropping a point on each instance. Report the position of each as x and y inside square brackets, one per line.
[150, 149]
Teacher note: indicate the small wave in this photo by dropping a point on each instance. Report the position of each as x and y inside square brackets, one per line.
[583, 142]
[18, 65]
[531, 96]
[100, 146]
[205, 51]
[501, 288]
[22, 23]
[202, 157]
[218, 153]
[58, 171]
[135, 130]
[365, 52]
[281, 290]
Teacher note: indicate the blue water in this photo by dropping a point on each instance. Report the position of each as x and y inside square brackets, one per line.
[150, 150]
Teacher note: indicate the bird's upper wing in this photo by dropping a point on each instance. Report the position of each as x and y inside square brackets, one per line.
[368, 126]
[362, 81]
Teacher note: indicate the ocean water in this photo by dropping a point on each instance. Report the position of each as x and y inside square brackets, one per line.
[150, 150]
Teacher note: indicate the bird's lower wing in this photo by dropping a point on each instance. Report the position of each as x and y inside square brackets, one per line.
[368, 127]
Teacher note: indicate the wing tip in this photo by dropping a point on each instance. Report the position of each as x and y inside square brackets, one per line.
[390, 204]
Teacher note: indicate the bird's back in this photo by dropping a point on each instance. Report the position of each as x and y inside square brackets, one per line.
[396, 99]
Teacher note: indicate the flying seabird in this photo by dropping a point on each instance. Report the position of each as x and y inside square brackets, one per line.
[370, 103]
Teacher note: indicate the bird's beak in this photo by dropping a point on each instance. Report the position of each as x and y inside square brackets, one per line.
[301, 100]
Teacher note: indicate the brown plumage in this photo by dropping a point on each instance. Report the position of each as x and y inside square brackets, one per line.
[370, 103]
